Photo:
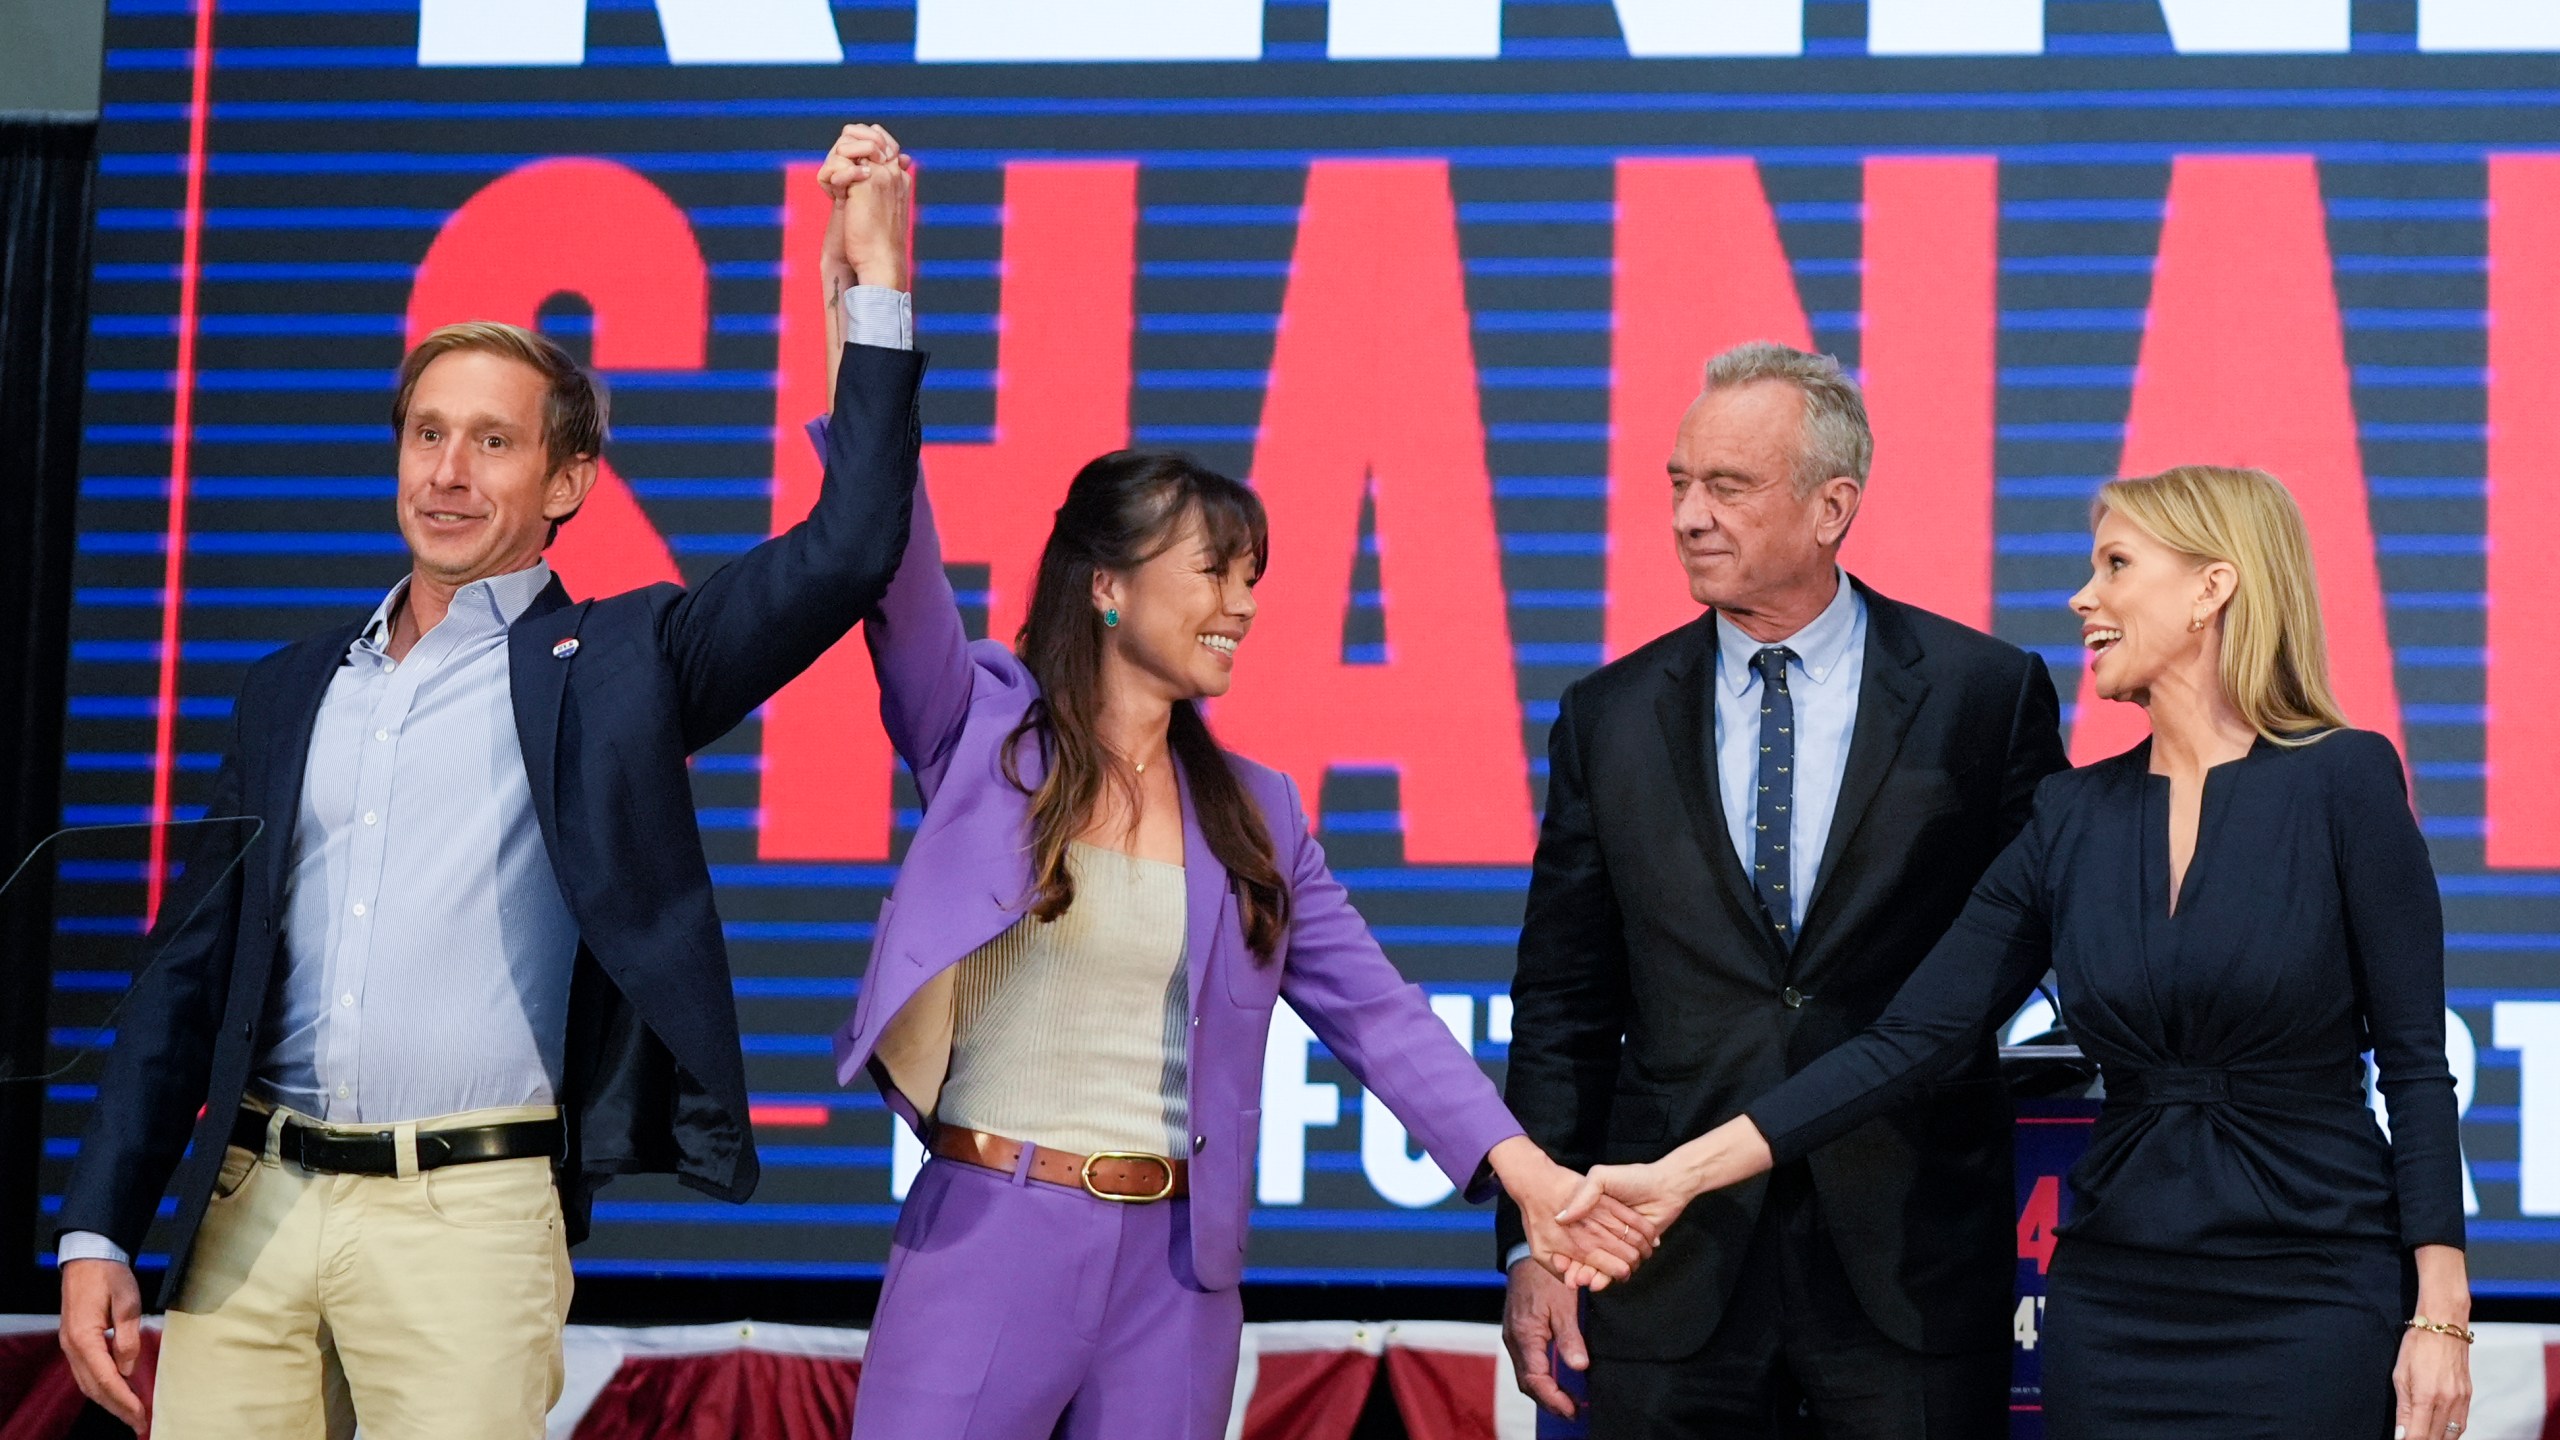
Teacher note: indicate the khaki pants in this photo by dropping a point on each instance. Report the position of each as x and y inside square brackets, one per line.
[423, 1304]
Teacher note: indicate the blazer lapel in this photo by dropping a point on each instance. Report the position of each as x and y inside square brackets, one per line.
[536, 681]
[1689, 736]
[306, 684]
[1205, 883]
[1890, 689]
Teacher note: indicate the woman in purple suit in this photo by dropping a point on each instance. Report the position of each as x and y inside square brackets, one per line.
[1071, 982]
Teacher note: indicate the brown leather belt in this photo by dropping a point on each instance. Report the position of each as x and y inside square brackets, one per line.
[1131, 1177]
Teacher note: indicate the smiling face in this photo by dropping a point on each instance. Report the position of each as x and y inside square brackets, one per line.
[1751, 542]
[2140, 612]
[1183, 615]
[478, 494]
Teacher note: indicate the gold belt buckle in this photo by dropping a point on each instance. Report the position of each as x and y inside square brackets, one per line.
[1086, 1175]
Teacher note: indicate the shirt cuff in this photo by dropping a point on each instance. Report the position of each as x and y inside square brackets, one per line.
[878, 315]
[1511, 1258]
[89, 1245]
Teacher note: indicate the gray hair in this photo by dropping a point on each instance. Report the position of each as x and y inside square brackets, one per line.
[1836, 439]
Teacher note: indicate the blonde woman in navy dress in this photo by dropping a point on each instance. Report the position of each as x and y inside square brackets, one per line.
[2237, 909]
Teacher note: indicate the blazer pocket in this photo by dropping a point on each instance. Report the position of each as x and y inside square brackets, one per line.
[1247, 1146]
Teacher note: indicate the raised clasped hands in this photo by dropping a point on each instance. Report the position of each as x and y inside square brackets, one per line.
[1605, 1242]
[870, 182]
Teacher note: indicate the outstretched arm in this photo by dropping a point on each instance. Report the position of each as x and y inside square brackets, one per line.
[1381, 1027]
[762, 619]
[1981, 970]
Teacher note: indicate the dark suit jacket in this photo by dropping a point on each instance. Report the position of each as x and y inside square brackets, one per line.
[1652, 999]
[653, 1080]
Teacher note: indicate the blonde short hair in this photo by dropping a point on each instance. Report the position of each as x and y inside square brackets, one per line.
[2275, 656]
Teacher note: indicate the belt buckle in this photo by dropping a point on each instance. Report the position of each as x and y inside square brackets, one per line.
[1085, 1174]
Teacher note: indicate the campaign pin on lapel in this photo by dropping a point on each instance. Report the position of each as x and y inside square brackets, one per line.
[565, 648]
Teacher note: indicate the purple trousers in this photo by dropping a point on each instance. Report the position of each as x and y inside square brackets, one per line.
[1017, 1310]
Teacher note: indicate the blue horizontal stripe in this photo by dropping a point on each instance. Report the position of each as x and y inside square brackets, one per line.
[822, 1157]
[753, 1044]
[842, 931]
[1555, 542]
[1671, 101]
[780, 987]
[864, 1099]
[92, 981]
[144, 707]
[1518, 432]
[1504, 935]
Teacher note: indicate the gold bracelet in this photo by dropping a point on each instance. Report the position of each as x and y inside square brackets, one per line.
[2439, 1327]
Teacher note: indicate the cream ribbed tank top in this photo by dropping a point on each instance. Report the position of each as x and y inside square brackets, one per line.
[1071, 1033]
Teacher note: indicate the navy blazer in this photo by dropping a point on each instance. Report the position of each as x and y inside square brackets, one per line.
[652, 1077]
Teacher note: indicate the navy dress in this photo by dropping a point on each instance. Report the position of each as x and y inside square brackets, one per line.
[2235, 1259]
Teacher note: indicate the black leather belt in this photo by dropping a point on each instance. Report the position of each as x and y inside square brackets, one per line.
[332, 1152]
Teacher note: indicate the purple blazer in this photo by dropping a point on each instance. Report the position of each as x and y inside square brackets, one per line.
[948, 705]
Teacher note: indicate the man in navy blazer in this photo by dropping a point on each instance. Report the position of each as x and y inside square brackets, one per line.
[472, 969]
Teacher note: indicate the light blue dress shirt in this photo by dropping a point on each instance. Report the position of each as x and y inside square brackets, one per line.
[1823, 679]
[427, 945]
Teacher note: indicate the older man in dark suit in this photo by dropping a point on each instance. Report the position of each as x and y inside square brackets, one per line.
[1756, 826]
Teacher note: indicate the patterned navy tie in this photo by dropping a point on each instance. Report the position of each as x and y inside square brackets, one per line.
[1771, 868]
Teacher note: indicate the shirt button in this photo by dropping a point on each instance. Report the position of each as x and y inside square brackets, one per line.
[346, 1000]
[1195, 1022]
[1792, 998]
[369, 817]
[381, 734]
[1198, 1142]
[342, 1092]
[359, 907]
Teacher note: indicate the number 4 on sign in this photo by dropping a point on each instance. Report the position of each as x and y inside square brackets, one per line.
[2036, 1223]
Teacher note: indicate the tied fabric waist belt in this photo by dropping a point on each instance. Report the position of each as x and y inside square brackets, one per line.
[1131, 1177]
[334, 1152]
[2215, 1086]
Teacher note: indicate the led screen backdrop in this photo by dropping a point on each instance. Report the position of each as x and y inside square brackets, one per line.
[1438, 275]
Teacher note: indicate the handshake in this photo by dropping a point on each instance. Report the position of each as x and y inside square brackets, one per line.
[1588, 1231]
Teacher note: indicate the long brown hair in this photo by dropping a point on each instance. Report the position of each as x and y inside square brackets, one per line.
[1121, 511]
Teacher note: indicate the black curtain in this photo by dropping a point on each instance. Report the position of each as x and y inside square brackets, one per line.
[48, 170]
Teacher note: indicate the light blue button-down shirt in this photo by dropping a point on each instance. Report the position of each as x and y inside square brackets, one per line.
[1823, 680]
[427, 946]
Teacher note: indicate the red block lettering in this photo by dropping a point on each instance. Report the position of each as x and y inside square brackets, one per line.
[2524, 455]
[1373, 385]
[1062, 397]
[1699, 270]
[602, 232]
[1930, 355]
[2037, 1222]
[2244, 363]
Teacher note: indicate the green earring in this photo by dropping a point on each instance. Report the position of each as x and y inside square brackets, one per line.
[1111, 619]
